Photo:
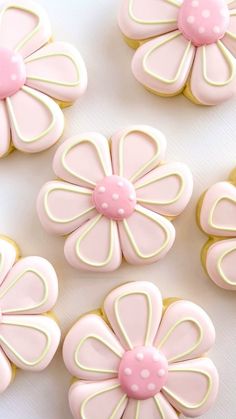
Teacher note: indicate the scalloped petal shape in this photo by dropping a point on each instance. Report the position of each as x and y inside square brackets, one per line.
[220, 263]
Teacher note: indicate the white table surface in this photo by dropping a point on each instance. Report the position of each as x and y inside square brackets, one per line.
[201, 137]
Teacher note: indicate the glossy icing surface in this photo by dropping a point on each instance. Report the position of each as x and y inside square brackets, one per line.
[34, 72]
[119, 198]
[217, 219]
[179, 44]
[142, 363]
[28, 289]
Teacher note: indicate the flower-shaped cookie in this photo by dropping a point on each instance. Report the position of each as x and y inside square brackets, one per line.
[32, 72]
[184, 46]
[28, 289]
[138, 361]
[118, 201]
[217, 218]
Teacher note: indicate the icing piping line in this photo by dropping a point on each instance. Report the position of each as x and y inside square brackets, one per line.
[134, 244]
[220, 269]
[150, 316]
[210, 220]
[39, 98]
[191, 349]
[151, 22]
[67, 188]
[160, 44]
[89, 369]
[230, 62]
[137, 410]
[158, 405]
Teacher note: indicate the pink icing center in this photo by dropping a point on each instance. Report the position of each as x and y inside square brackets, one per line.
[203, 21]
[115, 197]
[143, 372]
[12, 72]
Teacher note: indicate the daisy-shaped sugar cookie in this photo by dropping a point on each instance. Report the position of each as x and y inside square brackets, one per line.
[114, 201]
[34, 76]
[217, 218]
[184, 46]
[28, 289]
[138, 359]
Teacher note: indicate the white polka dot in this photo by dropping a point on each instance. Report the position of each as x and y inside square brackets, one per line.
[151, 386]
[224, 12]
[145, 373]
[216, 29]
[206, 13]
[139, 356]
[102, 189]
[190, 19]
[156, 357]
[128, 371]
[104, 205]
[115, 196]
[161, 372]
[134, 388]
[195, 3]
[121, 211]
[14, 59]
[131, 197]
[13, 77]
[120, 184]
[201, 29]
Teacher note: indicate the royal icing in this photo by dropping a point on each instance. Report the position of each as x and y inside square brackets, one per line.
[183, 42]
[137, 364]
[34, 72]
[28, 289]
[217, 219]
[122, 199]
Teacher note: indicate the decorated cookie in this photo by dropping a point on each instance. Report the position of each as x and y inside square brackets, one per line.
[114, 198]
[217, 218]
[28, 289]
[34, 72]
[184, 46]
[140, 358]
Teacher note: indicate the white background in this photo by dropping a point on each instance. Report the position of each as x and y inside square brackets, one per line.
[201, 137]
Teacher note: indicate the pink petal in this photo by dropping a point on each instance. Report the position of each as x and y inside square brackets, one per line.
[8, 256]
[142, 20]
[57, 70]
[30, 287]
[134, 311]
[145, 236]
[91, 351]
[63, 207]
[4, 130]
[88, 399]
[220, 263]
[94, 246]
[229, 39]
[192, 386]
[185, 332]
[153, 408]
[6, 374]
[24, 27]
[164, 63]
[30, 342]
[36, 120]
[166, 189]
[83, 159]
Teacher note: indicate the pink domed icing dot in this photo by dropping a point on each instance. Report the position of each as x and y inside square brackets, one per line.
[203, 21]
[12, 72]
[143, 372]
[115, 197]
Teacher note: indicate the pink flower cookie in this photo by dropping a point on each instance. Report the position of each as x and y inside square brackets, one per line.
[217, 218]
[184, 46]
[28, 289]
[114, 202]
[33, 71]
[140, 360]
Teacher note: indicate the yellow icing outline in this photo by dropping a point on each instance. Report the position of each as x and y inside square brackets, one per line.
[90, 369]
[158, 405]
[68, 188]
[160, 44]
[151, 181]
[171, 330]
[139, 172]
[149, 311]
[137, 410]
[210, 219]
[132, 240]
[16, 354]
[219, 266]
[28, 37]
[18, 278]
[59, 83]
[151, 22]
[92, 224]
[36, 95]
[72, 172]
[182, 402]
[98, 393]
[229, 59]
